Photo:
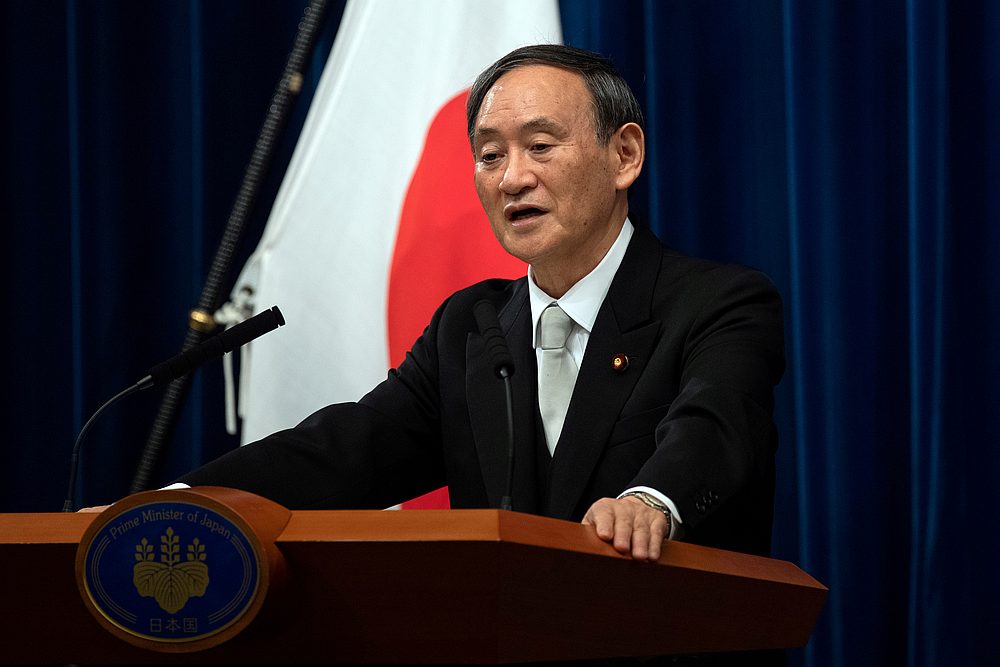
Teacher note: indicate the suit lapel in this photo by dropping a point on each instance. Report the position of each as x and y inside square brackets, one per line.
[488, 405]
[623, 326]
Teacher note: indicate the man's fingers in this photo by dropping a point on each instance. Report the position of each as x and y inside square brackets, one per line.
[602, 517]
[657, 533]
[632, 527]
[648, 534]
[94, 509]
[623, 532]
[640, 539]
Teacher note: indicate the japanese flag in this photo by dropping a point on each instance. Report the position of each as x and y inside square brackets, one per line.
[377, 219]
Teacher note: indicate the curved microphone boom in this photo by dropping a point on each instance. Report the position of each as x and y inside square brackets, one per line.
[503, 367]
[178, 366]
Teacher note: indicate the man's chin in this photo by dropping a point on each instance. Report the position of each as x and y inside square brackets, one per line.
[528, 243]
[523, 249]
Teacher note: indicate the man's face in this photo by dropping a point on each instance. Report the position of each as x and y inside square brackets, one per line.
[550, 190]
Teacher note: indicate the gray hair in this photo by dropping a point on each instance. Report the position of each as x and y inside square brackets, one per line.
[613, 102]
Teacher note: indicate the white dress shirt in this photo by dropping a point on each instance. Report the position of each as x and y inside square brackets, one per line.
[582, 302]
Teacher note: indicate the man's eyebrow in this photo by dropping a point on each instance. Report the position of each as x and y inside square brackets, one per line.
[540, 124]
[483, 133]
[543, 124]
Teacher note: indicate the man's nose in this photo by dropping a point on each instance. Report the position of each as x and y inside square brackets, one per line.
[519, 175]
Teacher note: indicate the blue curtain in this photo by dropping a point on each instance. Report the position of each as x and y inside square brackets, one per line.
[127, 130]
[848, 149]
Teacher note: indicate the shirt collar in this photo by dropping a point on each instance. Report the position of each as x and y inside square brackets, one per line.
[582, 301]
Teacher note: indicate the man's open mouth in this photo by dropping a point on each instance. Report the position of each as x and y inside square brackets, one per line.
[524, 213]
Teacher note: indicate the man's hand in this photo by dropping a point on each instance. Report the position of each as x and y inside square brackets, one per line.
[630, 525]
[95, 508]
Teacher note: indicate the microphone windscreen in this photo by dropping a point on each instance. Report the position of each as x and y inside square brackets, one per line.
[496, 343]
[216, 346]
[247, 330]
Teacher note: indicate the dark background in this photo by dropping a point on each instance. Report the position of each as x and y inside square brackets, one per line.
[849, 149]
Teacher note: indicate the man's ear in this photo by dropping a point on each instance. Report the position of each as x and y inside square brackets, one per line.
[629, 144]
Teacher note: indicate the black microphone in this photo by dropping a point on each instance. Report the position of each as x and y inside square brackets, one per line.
[216, 346]
[503, 367]
[177, 366]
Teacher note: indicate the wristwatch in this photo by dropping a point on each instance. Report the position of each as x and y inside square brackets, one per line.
[656, 504]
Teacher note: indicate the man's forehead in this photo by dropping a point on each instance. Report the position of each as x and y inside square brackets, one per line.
[534, 75]
[530, 85]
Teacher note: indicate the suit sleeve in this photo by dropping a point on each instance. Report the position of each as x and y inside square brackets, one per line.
[375, 453]
[714, 449]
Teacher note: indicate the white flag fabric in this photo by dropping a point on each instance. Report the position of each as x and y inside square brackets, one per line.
[377, 220]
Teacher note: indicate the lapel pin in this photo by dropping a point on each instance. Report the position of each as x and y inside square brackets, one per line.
[619, 362]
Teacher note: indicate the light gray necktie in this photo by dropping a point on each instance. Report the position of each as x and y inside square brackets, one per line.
[557, 373]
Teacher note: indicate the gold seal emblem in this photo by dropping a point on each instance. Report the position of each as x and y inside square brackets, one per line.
[169, 581]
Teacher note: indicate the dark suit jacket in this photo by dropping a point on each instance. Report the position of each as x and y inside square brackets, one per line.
[690, 415]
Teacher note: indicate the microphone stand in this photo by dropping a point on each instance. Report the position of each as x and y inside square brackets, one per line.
[503, 366]
[74, 460]
[201, 321]
[177, 367]
[507, 501]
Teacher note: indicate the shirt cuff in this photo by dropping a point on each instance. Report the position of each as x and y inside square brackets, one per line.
[674, 514]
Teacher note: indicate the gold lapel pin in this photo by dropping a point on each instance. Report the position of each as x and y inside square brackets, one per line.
[619, 362]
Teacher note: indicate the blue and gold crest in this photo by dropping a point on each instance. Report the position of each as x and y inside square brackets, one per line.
[172, 572]
[169, 580]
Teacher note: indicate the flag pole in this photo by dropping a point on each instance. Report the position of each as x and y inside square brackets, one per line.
[201, 321]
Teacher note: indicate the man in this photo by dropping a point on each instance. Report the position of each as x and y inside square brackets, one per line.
[670, 361]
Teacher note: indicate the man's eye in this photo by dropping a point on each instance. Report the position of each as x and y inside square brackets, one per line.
[538, 147]
[490, 157]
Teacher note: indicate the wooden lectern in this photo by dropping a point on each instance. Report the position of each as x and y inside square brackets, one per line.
[432, 586]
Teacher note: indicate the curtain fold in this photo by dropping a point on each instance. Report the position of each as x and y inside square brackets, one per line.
[928, 249]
